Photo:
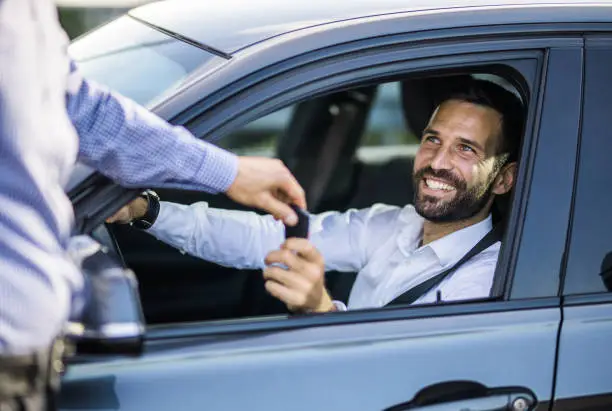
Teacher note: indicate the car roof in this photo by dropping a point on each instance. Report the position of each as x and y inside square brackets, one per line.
[231, 25]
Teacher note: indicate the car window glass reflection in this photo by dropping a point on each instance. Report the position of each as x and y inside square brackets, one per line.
[150, 63]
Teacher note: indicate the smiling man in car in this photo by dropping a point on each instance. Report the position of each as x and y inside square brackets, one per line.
[467, 157]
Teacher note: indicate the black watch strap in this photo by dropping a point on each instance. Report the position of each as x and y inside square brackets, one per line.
[146, 221]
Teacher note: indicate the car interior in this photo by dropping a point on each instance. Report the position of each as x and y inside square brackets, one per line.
[349, 149]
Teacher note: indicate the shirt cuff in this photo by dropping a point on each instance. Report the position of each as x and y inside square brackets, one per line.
[219, 169]
[163, 210]
[340, 306]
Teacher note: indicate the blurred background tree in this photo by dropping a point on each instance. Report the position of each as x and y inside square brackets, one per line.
[79, 16]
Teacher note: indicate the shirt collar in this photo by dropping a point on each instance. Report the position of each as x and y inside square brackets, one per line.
[450, 248]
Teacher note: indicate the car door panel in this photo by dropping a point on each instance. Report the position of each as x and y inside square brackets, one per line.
[319, 368]
[583, 375]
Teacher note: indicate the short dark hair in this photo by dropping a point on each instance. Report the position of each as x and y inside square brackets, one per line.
[488, 94]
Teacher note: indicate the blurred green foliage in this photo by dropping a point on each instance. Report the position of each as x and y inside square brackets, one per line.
[78, 20]
[72, 20]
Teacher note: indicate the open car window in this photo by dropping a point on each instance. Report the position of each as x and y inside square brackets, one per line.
[373, 164]
[386, 133]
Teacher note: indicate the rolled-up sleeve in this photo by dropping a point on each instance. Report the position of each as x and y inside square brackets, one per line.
[136, 148]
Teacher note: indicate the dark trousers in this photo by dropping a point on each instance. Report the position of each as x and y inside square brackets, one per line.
[30, 382]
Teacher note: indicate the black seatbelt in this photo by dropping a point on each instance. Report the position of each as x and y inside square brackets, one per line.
[335, 141]
[419, 290]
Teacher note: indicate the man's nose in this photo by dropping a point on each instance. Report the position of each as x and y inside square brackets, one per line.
[441, 160]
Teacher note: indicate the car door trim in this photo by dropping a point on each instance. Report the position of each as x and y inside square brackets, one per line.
[280, 323]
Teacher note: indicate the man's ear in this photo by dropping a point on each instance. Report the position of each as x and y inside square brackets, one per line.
[505, 179]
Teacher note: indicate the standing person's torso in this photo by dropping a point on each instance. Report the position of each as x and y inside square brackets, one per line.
[38, 148]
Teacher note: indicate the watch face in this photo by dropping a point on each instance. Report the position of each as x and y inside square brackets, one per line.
[151, 193]
[141, 224]
[147, 220]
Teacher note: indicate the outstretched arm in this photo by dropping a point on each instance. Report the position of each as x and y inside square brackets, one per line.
[136, 148]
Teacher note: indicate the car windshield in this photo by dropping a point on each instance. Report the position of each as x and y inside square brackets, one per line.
[136, 60]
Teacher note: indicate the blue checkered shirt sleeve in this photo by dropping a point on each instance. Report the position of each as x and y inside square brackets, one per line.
[135, 148]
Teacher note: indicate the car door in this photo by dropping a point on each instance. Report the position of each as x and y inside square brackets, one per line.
[473, 355]
[583, 381]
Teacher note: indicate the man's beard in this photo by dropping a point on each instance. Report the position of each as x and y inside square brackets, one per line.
[465, 204]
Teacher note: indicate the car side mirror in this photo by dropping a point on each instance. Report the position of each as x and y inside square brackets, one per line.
[111, 321]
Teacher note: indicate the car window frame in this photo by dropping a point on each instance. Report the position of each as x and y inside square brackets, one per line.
[560, 135]
[403, 57]
[217, 131]
[414, 59]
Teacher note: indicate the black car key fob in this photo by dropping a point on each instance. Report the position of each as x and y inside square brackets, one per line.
[300, 230]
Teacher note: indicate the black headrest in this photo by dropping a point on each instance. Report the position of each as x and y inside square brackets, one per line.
[306, 134]
[323, 134]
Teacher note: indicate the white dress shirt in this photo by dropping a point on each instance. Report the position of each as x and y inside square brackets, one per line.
[381, 243]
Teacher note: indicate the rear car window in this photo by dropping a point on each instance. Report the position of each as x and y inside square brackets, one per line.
[589, 263]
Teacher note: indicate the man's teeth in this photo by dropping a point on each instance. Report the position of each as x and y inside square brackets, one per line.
[436, 185]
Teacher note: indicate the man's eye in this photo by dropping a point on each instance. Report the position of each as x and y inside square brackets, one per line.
[466, 148]
[432, 139]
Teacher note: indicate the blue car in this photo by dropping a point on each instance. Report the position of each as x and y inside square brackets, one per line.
[340, 91]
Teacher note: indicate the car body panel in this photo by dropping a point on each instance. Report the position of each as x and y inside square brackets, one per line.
[337, 367]
[233, 368]
[233, 25]
[583, 373]
[359, 34]
[375, 359]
